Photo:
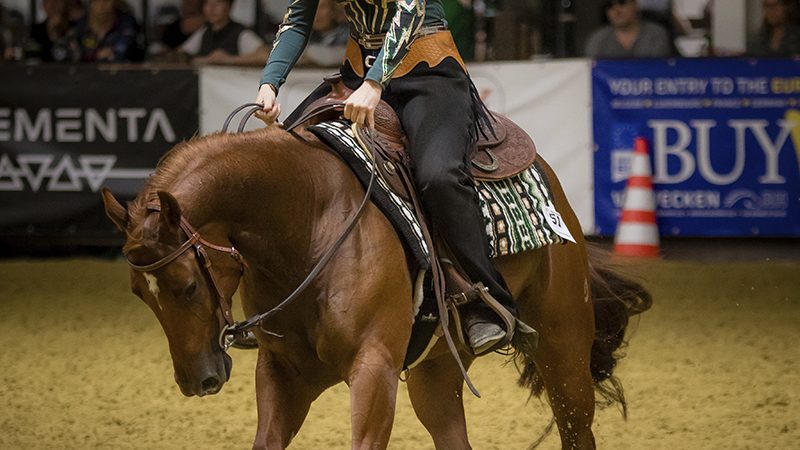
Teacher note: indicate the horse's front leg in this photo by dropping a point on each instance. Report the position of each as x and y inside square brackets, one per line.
[283, 399]
[369, 316]
[378, 339]
[436, 389]
[373, 393]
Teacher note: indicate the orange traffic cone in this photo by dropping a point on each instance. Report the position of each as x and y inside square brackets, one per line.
[637, 232]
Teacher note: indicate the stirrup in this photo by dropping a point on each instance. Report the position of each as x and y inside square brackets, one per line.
[479, 292]
[493, 336]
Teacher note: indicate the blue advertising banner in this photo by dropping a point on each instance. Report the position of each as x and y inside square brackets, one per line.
[724, 143]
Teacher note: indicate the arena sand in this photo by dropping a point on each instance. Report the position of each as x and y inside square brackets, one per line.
[714, 365]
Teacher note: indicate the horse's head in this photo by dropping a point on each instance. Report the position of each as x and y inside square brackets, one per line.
[181, 292]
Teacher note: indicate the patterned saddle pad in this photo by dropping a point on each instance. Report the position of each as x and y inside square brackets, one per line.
[515, 212]
[514, 209]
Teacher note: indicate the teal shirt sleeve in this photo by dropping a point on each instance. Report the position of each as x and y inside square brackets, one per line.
[405, 24]
[290, 41]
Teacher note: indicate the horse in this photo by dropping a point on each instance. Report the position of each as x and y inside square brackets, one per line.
[261, 208]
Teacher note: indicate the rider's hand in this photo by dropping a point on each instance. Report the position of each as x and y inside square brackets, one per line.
[360, 106]
[270, 108]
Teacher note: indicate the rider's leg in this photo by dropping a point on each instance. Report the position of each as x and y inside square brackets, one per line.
[436, 110]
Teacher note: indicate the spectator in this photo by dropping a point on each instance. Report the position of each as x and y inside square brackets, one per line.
[75, 10]
[177, 30]
[223, 41]
[328, 39]
[12, 33]
[106, 34]
[780, 33]
[47, 40]
[627, 35]
[5, 37]
[461, 21]
[274, 12]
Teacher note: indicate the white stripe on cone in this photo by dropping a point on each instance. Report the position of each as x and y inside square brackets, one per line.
[633, 237]
[637, 234]
[639, 199]
[640, 166]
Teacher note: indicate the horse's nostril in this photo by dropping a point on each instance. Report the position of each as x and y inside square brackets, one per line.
[210, 385]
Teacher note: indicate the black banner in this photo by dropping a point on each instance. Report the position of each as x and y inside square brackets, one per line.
[67, 131]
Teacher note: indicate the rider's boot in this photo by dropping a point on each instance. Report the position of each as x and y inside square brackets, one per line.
[483, 328]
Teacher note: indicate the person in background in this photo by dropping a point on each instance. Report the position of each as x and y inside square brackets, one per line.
[5, 36]
[12, 34]
[627, 35]
[47, 38]
[328, 39]
[75, 10]
[274, 10]
[106, 34]
[224, 41]
[780, 33]
[178, 30]
[461, 21]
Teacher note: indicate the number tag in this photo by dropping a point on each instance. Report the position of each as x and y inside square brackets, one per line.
[557, 223]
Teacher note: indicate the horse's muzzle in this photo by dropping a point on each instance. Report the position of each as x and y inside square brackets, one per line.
[206, 379]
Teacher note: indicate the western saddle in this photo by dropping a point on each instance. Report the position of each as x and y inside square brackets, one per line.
[503, 152]
[500, 153]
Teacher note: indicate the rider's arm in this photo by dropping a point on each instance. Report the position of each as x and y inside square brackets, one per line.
[405, 24]
[291, 39]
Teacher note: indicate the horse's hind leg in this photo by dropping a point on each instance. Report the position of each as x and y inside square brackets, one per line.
[564, 316]
[436, 390]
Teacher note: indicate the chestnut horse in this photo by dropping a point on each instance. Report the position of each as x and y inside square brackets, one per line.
[281, 199]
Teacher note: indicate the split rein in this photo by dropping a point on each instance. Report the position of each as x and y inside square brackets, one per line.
[232, 329]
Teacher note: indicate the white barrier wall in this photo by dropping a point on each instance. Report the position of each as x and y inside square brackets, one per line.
[550, 100]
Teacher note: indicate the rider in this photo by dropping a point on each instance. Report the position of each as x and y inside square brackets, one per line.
[438, 107]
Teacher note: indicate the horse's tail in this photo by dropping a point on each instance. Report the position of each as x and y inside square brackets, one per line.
[615, 299]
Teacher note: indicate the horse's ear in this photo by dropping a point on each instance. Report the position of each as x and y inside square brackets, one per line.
[170, 210]
[114, 210]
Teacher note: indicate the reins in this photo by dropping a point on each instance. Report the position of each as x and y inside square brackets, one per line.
[254, 108]
[231, 329]
[241, 327]
[229, 332]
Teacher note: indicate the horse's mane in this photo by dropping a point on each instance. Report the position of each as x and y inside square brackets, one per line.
[201, 151]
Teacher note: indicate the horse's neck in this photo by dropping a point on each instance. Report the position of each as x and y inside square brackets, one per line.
[269, 201]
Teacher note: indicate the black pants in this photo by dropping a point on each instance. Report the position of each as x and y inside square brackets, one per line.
[436, 109]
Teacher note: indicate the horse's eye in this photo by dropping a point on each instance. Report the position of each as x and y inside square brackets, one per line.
[190, 289]
[136, 291]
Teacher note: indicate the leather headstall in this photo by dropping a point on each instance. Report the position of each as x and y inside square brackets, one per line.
[196, 241]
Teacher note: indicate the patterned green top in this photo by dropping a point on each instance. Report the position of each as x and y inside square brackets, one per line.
[399, 19]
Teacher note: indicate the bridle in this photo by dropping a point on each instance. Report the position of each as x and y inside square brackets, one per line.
[230, 328]
[196, 241]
